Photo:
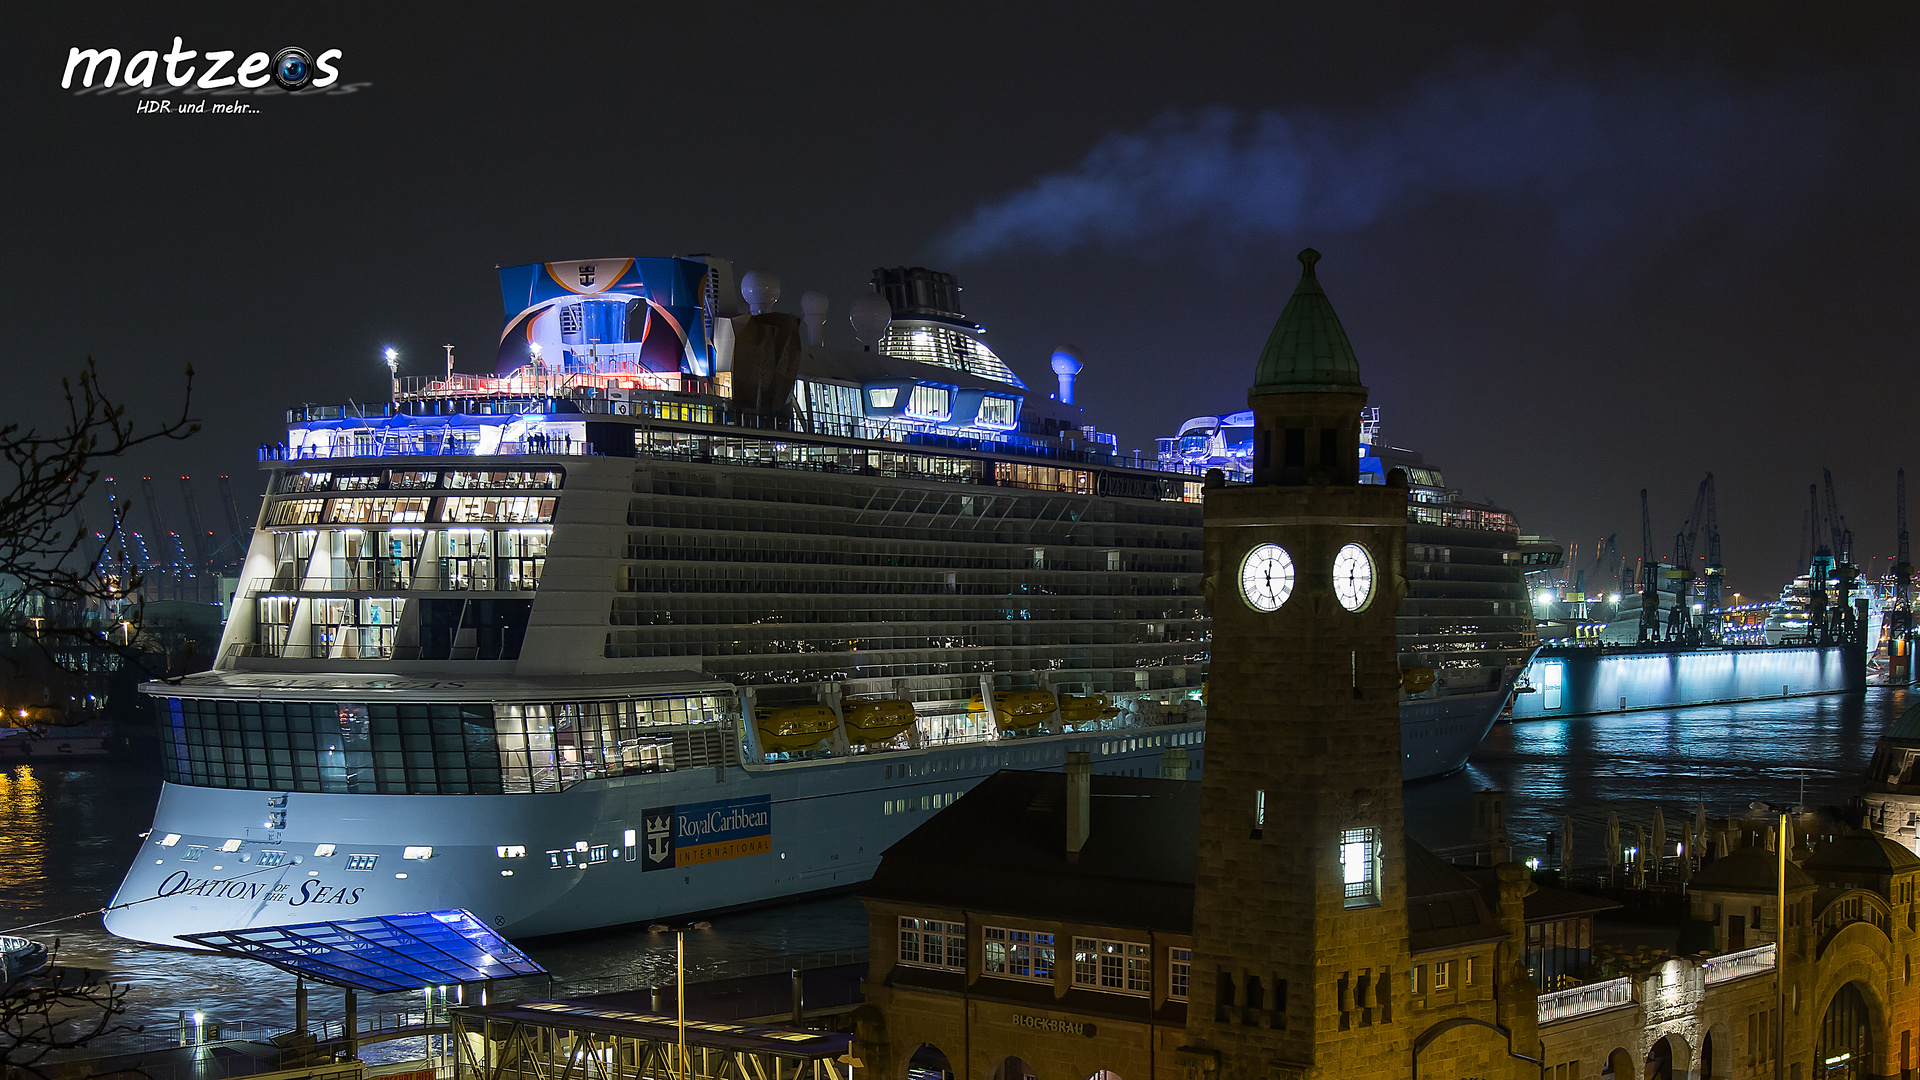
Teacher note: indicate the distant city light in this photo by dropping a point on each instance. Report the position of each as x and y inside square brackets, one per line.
[1613, 598]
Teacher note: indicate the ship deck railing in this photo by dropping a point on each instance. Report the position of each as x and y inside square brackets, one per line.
[1096, 450]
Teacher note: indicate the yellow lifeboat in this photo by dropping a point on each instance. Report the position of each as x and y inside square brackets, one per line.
[1016, 710]
[876, 721]
[1416, 680]
[794, 727]
[1081, 710]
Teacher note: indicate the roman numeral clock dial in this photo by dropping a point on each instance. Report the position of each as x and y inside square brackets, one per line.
[1353, 577]
[1266, 577]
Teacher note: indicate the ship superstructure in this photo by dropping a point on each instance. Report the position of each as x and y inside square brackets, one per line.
[680, 609]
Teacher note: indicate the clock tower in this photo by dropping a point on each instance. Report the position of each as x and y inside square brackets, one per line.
[1300, 960]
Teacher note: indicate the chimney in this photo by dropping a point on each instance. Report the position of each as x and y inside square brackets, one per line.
[1079, 772]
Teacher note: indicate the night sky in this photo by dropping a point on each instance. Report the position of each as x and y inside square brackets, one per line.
[1579, 251]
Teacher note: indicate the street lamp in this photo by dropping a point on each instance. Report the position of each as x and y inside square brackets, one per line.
[680, 978]
[392, 356]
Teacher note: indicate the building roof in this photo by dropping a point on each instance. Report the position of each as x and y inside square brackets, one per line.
[1906, 728]
[1308, 351]
[1001, 847]
[1750, 869]
[1545, 903]
[1860, 852]
[1444, 906]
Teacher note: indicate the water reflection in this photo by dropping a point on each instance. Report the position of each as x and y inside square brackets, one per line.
[1723, 757]
[23, 837]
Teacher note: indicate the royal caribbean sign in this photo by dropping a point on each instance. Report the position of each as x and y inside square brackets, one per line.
[706, 832]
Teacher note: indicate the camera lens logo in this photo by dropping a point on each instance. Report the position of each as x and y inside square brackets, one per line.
[292, 68]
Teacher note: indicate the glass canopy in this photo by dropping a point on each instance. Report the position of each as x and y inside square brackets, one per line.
[382, 953]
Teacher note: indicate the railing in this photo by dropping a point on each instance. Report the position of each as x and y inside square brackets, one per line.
[1737, 964]
[430, 446]
[1581, 1000]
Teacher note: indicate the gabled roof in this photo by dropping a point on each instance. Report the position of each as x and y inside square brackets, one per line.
[1308, 351]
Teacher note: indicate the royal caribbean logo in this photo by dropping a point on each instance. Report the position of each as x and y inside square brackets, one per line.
[706, 832]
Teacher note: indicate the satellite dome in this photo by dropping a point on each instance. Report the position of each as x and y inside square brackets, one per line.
[870, 315]
[1066, 364]
[812, 302]
[760, 289]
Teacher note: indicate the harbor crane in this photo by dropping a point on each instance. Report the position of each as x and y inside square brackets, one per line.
[1716, 570]
[1840, 612]
[1649, 585]
[1901, 642]
[1680, 623]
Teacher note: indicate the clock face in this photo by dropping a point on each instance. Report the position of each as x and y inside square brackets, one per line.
[1353, 577]
[1266, 578]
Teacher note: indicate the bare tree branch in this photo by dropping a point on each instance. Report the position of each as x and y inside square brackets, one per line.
[49, 562]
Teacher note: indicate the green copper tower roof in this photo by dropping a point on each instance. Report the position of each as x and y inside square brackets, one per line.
[1308, 351]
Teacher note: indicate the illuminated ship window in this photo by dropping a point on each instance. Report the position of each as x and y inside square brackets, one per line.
[511, 851]
[597, 853]
[417, 853]
[555, 860]
[377, 511]
[297, 512]
[930, 403]
[230, 846]
[996, 412]
[497, 508]
[361, 862]
[548, 479]
[948, 348]
[883, 397]
[194, 851]
[273, 857]
[321, 851]
[170, 839]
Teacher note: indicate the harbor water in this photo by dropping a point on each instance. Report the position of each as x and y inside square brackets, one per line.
[68, 830]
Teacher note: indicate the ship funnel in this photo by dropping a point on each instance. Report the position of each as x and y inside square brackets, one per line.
[1066, 365]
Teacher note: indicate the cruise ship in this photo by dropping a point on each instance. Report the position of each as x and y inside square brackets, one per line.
[683, 608]
[1466, 625]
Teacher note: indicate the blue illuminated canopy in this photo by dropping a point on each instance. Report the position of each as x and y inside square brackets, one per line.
[382, 953]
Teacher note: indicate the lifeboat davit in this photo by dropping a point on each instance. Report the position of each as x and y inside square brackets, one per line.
[876, 721]
[794, 727]
[1081, 710]
[1017, 710]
